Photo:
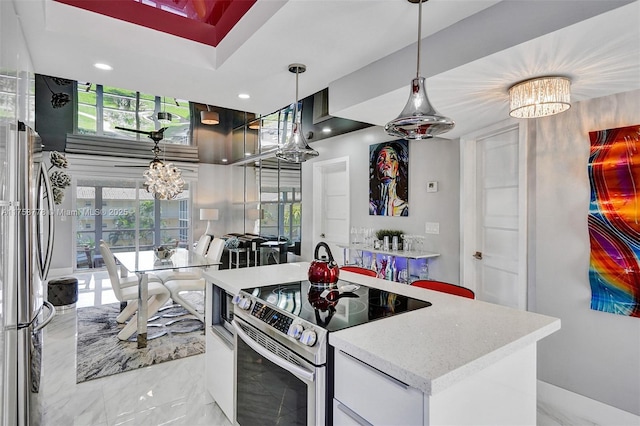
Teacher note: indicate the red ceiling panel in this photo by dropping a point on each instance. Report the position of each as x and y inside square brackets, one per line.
[204, 21]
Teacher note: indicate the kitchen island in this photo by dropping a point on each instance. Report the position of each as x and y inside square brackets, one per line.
[458, 361]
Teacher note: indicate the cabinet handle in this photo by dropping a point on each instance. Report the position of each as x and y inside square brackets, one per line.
[478, 255]
[353, 415]
[403, 385]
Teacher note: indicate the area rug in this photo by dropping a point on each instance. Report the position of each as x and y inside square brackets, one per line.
[100, 353]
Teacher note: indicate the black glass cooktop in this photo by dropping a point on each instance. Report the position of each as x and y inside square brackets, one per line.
[336, 307]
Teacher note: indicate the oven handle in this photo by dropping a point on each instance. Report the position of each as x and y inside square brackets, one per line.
[298, 371]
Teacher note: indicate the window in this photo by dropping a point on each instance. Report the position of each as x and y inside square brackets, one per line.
[102, 108]
[130, 218]
[281, 199]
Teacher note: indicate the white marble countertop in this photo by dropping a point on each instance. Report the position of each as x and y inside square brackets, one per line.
[429, 349]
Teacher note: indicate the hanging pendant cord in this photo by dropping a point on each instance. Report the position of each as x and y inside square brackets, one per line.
[419, 36]
[296, 106]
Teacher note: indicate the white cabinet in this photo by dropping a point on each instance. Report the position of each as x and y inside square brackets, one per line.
[344, 416]
[503, 393]
[373, 396]
[220, 372]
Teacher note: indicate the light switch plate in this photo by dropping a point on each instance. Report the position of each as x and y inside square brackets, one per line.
[432, 228]
[432, 186]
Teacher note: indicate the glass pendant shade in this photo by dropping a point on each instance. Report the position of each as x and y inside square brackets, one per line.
[418, 119]
[540, 97]
[296, 150]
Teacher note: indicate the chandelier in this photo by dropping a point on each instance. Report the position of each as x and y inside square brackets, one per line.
[418, 119]
[540, 97]
[163, 180]
[296, 150]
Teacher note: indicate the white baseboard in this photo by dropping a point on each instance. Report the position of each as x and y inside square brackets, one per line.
[59, 272]
[560, 406]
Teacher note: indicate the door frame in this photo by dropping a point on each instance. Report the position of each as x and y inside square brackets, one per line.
[319, 168]
[469, 203]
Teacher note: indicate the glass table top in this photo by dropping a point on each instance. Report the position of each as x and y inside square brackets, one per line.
[146, 261]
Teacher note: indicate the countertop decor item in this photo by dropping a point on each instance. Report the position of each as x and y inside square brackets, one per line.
[418, 119]
[163, 253]
[323, 270]
[296, 150]
[380, 233]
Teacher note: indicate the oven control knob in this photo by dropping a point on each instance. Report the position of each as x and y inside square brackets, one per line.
[244, 303]
[295, 331]
[308, 338]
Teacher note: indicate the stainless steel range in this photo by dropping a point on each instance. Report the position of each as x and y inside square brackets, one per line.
[283, 365]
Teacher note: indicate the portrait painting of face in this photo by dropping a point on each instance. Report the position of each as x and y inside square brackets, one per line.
[389, 178]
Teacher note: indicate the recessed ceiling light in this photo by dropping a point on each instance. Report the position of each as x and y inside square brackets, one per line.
[102, 66]
[326, 130]
[224, 160]
[244, 96]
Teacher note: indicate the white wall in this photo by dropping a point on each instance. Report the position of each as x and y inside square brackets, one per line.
[429, 160]
[212, 190]
[595, 354]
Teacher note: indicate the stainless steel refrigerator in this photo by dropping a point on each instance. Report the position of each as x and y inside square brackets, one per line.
[26, 242]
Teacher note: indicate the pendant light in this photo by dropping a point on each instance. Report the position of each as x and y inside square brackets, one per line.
[418, 119]
[296, 150]
[209, 117]
[163, 116]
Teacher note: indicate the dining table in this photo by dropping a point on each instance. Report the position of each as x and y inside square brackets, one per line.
[144, 262]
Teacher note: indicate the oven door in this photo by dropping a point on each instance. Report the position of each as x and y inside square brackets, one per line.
[273, 384]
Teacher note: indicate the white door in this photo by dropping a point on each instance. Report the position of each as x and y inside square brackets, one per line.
[331, 204]
[494, 245]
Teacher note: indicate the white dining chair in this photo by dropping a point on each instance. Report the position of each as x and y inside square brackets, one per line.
[178, 286]
[201, 248]
[158, 293]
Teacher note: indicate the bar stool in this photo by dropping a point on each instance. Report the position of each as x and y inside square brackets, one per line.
[445, 288]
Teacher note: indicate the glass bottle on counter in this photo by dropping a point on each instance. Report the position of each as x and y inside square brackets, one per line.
[388, 272]
[394, 270]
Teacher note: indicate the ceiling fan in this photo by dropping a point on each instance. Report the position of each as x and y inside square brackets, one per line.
[156, 136]
[162, 180]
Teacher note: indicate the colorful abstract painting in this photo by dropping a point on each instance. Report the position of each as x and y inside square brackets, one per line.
[614, 220]
[389, 178]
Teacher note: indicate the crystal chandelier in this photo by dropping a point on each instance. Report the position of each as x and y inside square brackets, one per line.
[163, 180]
[296, 150]
[418, 119]
[540, 97]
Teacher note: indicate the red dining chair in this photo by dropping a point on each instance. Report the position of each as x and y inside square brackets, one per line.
[445, 288]
[359, 270]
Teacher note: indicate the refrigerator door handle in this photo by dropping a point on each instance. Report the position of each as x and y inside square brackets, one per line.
[43, 324]
[44, 253]
[52, 313]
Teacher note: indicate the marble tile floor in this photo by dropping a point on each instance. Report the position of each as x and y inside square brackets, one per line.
[171, 393]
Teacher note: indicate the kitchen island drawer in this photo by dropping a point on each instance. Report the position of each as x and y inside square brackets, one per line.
[375, 396]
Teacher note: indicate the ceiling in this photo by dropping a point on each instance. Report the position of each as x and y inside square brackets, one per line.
[363, 51]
